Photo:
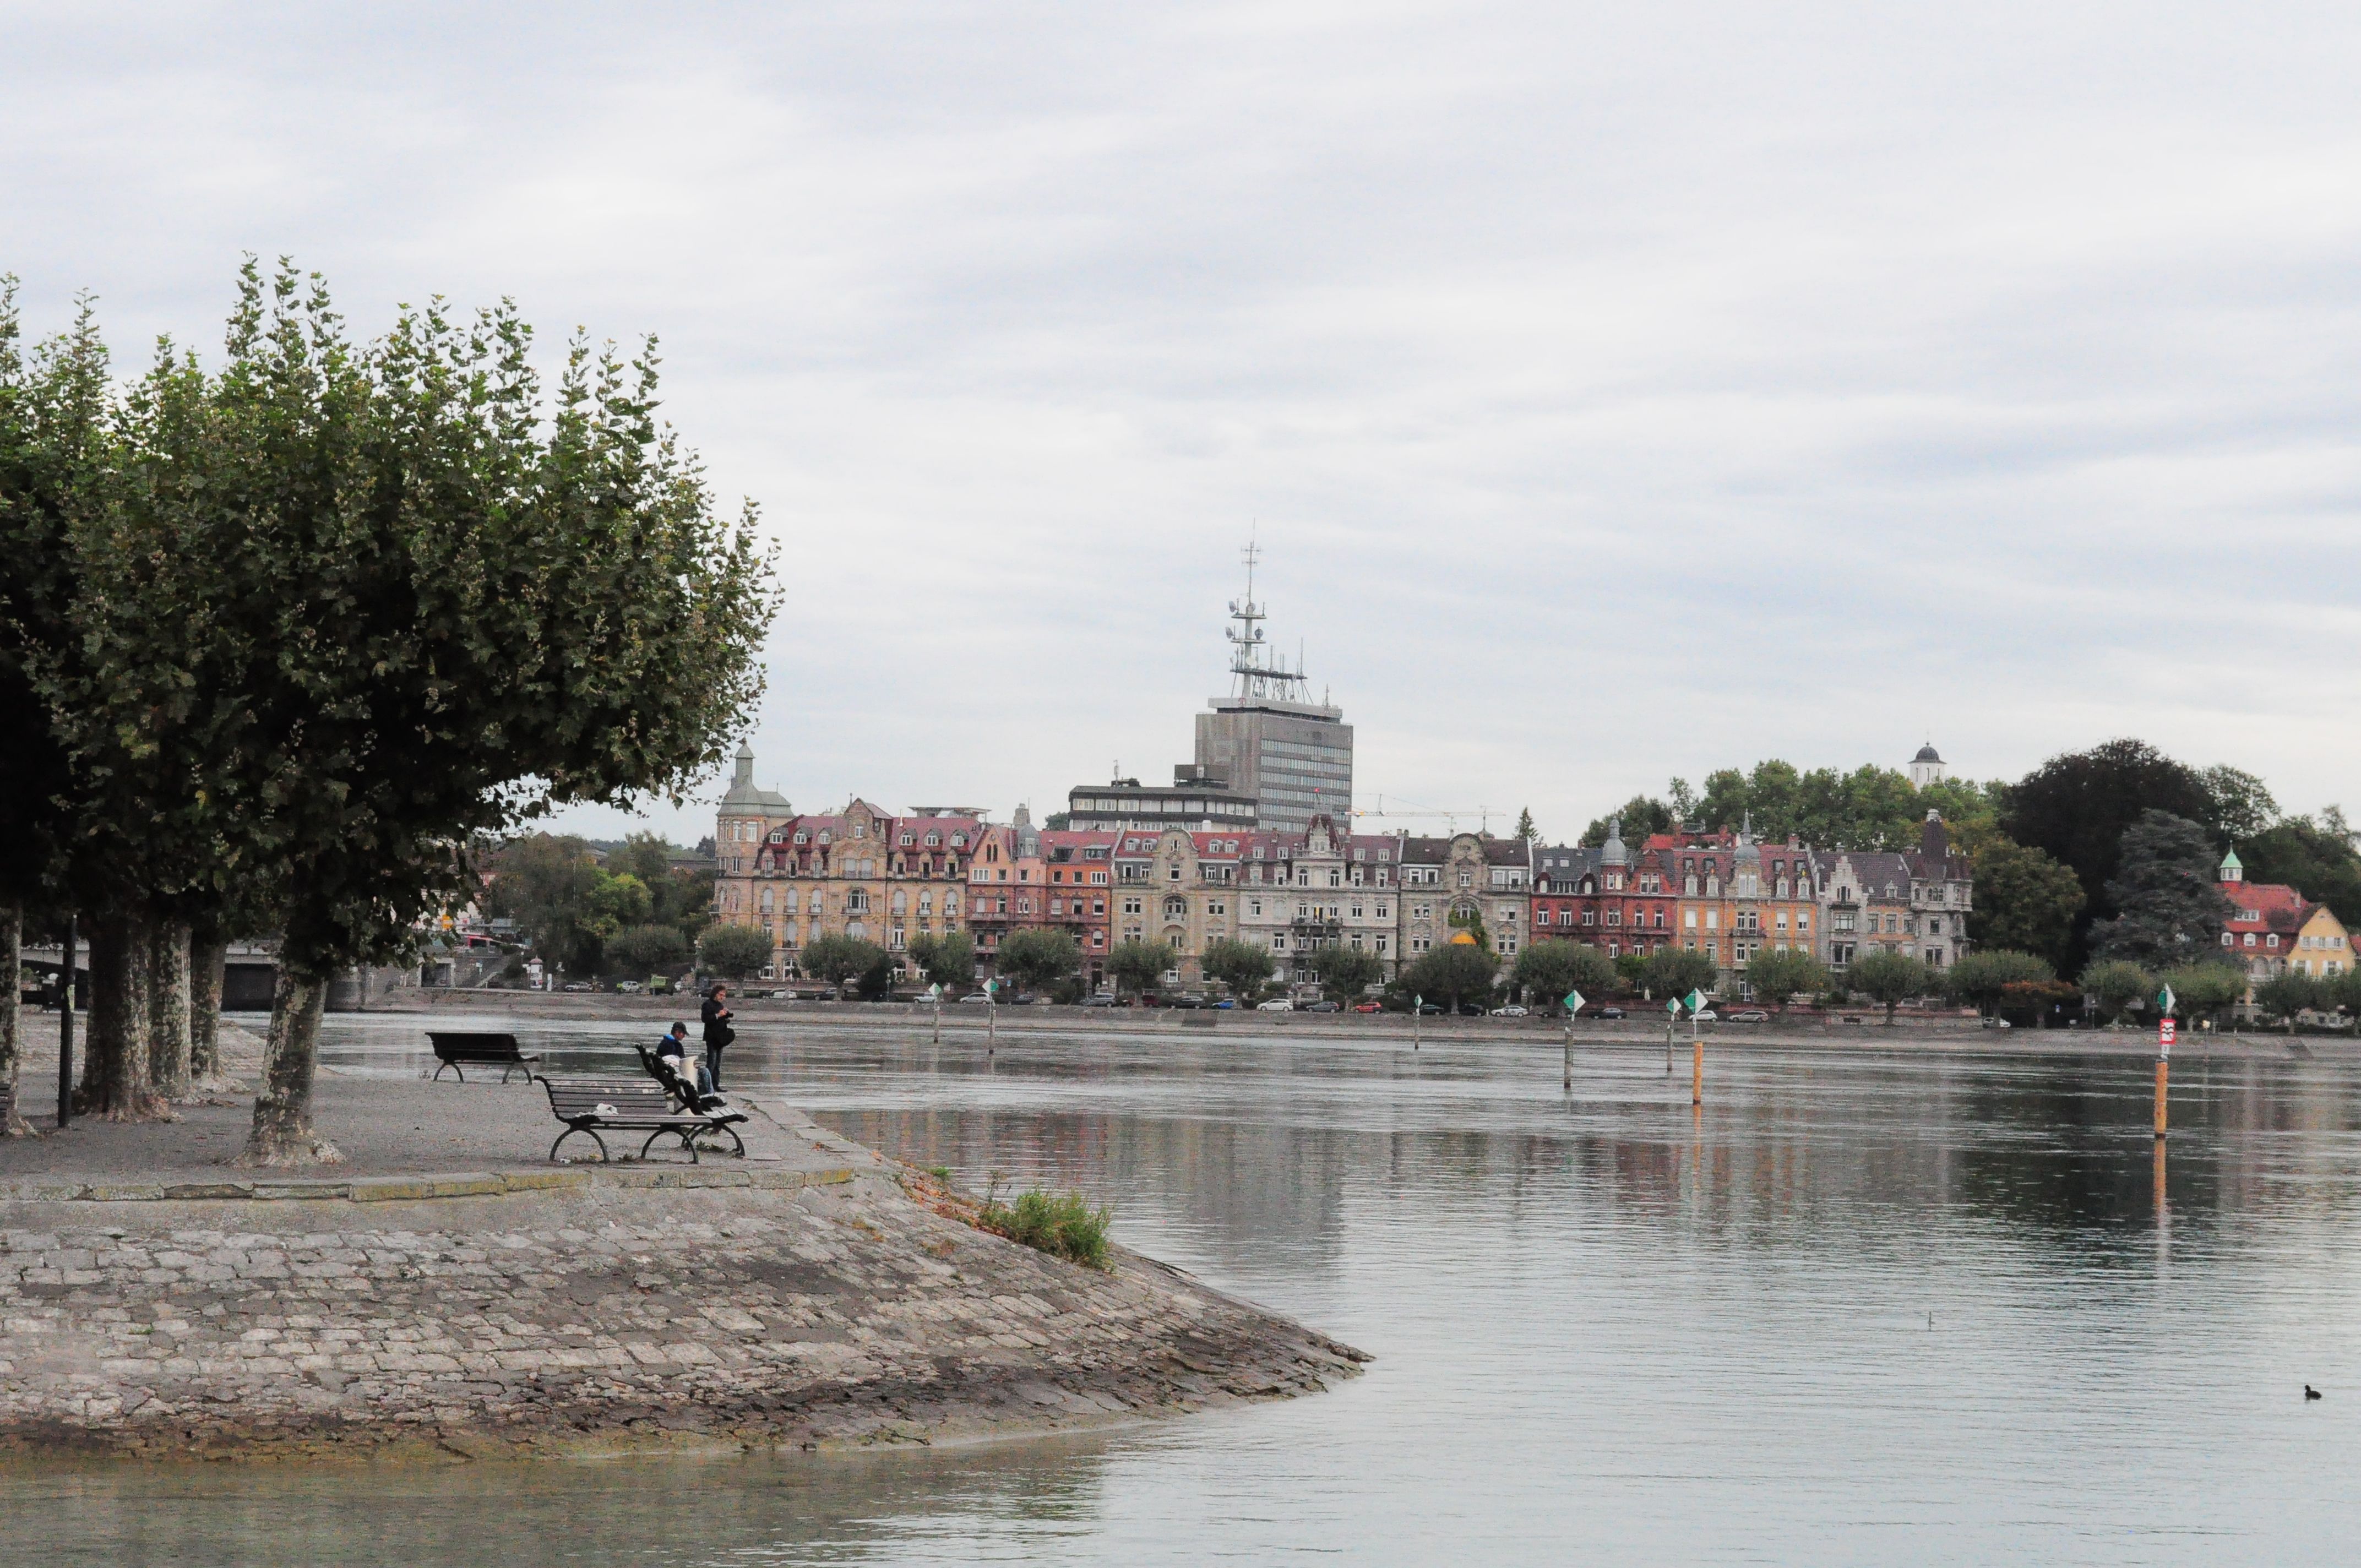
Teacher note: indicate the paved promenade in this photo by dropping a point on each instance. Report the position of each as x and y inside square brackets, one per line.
[447, 1291]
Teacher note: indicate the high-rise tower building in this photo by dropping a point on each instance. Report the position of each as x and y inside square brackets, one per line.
[1267, 738]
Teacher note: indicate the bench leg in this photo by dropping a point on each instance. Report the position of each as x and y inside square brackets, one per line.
[738, 1144]
[586, 1133]
[438, 1070]
[688, 1141]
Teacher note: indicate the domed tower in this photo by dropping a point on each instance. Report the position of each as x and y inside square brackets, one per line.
[1926, 767]
[1613, 858]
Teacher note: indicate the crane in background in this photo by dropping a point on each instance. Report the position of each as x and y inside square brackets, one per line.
[1483, 814]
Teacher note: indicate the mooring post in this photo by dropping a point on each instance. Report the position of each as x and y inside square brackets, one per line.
[1569, 1051]
[1696, 1074]
[2164, 1032]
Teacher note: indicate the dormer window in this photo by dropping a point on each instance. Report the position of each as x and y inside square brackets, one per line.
[958, 841]
[803, 838]
[823, 834]
[934, 839]
[908, 840]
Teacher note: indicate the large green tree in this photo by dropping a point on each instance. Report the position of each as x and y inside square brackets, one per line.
[2075, 809]
[1676, 972]
[1036, 959]
[1139, 967]
[1243, 967]
[837, 959]
[947, 960]
[1452, 973]
[734, 951]
[1778, 977]
[1982, 977]
[1550, 969]
[2119, 987]
[1890, 979]
[2170, 908]
[2206, 990]
[646, 949]
[2287, 994]
[2025, 901]
[55, 450]
[1347, 973]
[360, 604]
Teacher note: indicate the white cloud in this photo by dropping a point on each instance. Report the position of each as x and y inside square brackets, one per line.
[1618, 392]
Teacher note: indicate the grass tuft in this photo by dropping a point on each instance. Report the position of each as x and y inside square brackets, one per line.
[1063, 1226]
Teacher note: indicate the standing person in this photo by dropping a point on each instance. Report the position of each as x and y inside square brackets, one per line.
[716, 1016]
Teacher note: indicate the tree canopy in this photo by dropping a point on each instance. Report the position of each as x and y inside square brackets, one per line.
[1452, 972]
[1243, 967]
[2025, 901]
[1676, 972]
[1890, 979]
[1036, 958]
[1984, 977]
[736, 951]
[1779, 977]
[836, 958]
[1347, 973]
[1550, 968]
[1139, 967]
[2170, 907]
[947, 960]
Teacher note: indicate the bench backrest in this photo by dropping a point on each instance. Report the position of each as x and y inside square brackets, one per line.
[632, 1098]
[461, 1046]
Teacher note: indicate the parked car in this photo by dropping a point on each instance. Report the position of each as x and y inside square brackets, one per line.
[1430, 1009]
[978, 996]
[1324, 1005]
[1998, 1024]
[1511, 1011]
[1610, 1013]
[1225, 1003]
[1276, 1004]
[629, 987]
[1750, 1015]
[1368, 1006]
[1709, 1016]
[1098, 999]
[576, 985]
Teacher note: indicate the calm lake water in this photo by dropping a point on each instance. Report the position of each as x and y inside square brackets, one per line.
[1864, 1309]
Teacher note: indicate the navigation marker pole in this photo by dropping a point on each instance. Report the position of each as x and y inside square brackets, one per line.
[935, 994]
[1417, 1011]
[1671, 1015]
[991, 1016]
[1573, 1006]
[1697, 1073]
[2164, 1032]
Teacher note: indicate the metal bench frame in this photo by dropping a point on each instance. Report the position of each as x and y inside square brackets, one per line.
[641, 1105]
[454, 1047]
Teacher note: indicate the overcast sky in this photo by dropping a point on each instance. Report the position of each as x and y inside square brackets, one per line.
[1617, 392]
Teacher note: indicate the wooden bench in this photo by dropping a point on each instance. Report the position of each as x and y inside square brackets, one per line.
[592, 1105]
[457, 1047]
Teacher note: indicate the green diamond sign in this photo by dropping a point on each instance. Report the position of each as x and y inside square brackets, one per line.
[1573, 1002]
[1673, 1006]
[1695, 1001]
[2164, 1000]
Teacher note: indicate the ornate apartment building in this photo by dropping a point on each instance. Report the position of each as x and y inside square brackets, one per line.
[859, 872]
[1470, 881]
[1322, 888]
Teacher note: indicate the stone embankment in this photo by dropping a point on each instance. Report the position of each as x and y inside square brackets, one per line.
[816, 1301]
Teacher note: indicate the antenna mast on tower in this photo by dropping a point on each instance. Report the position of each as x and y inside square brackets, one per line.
[1255, 676]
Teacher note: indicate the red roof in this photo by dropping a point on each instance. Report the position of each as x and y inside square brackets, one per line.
[2266, 906]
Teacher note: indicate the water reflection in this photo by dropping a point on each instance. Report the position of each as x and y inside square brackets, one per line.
[1850, 1309]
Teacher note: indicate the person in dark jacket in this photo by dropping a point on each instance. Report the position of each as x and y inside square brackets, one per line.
[716, 1016]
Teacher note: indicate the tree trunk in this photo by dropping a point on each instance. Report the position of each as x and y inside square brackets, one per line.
[12, 1032]
[207, 959]
[168, 1008]
[115, 1085]
[282, 1133]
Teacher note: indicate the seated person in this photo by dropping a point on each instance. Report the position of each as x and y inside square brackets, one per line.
[673, 1051]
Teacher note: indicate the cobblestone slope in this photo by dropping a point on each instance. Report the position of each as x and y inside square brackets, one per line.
[607, 1314]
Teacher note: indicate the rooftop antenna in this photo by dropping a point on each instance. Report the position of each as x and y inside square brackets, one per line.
[1255, 675]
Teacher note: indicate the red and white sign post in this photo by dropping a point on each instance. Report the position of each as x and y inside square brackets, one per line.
[2164, 1032]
